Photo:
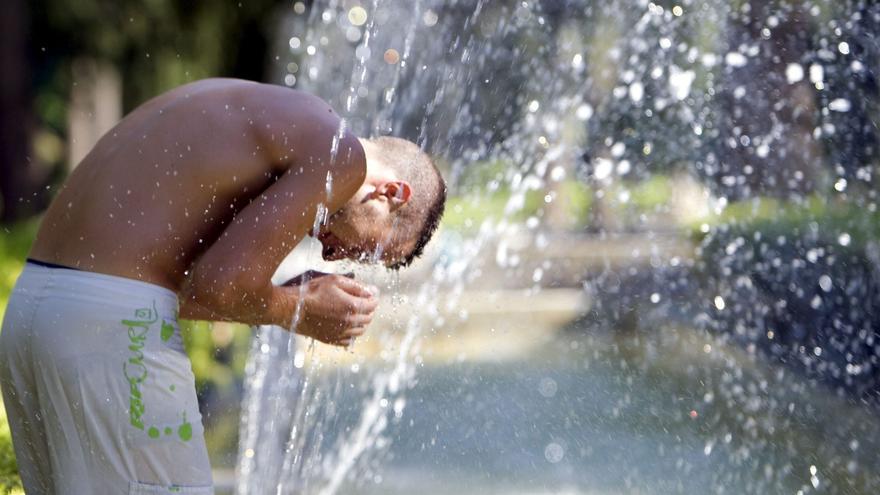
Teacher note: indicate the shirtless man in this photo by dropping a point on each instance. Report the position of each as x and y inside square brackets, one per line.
[186, 208]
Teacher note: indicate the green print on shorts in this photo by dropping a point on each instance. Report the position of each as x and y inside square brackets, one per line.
[135, 370]
[167, 331]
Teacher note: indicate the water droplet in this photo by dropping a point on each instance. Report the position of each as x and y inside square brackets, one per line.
[584, 112]
[794, 73]
[680, 82]
[353, 34]
[735, 59]
[362, 52]
[602, 168]
[391, 56]
[537, 275]
[636, 92]
[840, 105]
[547, 387]
[554, 452]
[357, 15]
[429, 18]
[817, 75]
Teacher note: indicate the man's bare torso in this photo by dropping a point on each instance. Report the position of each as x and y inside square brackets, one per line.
[161, 187]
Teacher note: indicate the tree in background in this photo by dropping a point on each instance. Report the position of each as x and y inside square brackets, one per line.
[18, 173]
[64, 56]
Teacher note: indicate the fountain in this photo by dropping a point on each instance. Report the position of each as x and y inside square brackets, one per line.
[659, 273]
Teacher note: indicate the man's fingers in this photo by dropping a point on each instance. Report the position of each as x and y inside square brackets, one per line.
[341, 343]
[355, 331]
[359, 305]
[346, 338]
[368, 305]
[354, 287]
[359, 319]
[345, 342]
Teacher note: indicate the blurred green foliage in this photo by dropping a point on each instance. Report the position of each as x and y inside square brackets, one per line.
[15, 241]
[218, 352]
[578, 199]
[650, 194]
[9, 479]
[154, 45]
[574, 197]
[157, 44]
[774, 217]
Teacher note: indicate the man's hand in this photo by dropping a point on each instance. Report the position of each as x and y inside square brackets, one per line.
[334, 309]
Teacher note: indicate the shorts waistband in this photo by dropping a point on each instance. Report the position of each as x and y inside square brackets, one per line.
[46, 264]
[73, 280]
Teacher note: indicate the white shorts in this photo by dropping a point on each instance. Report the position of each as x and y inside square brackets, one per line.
[98, 388]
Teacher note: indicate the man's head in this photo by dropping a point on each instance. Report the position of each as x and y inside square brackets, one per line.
[396, 210]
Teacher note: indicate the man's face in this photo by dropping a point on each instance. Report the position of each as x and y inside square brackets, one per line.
[362, 230]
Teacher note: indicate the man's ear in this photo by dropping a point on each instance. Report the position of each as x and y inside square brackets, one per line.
[397, 193]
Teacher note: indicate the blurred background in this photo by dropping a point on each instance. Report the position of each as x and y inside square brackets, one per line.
[659, 269]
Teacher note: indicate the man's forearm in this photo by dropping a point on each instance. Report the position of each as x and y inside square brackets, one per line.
[191, 310]
[273, 305]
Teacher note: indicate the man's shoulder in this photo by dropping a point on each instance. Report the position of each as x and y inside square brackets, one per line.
[289, 123]
[263, 95]
[273, 95]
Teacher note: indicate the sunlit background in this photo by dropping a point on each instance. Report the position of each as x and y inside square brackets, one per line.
[659, 269]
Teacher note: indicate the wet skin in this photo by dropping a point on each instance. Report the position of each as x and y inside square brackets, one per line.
[204, 190]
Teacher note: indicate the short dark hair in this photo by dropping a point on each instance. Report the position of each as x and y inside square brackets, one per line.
[428, 202]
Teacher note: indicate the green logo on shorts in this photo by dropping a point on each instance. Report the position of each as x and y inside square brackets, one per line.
[134, 369]
[136, 372]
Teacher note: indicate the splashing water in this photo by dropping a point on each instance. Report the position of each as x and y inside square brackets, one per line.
[334, 147]
[700, 173]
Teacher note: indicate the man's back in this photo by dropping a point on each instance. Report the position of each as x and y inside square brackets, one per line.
[161, 186]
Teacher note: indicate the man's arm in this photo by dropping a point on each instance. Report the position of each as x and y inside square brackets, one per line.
[232, 279]
[192, 310]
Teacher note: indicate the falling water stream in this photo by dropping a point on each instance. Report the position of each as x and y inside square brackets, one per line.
[697, 178]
